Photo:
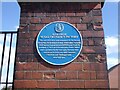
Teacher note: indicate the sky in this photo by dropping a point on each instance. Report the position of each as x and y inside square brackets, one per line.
[110, 25]
[9, 21]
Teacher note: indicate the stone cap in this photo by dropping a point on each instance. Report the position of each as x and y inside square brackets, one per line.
[26, 1]
[60, 0]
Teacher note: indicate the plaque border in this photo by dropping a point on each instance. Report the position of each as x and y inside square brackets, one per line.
[66, 62]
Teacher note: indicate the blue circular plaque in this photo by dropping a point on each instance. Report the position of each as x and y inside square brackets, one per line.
[59, 43]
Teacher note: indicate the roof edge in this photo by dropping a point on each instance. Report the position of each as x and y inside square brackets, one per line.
[113, 67]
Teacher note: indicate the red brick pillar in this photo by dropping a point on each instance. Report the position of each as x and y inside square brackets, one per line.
[88, 70]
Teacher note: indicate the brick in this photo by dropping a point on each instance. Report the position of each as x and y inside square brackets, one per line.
[84, 75]
[91, 57]
[92, 75]
[25, 42]
[21, 58]
[102, 75]
[64, 19]
[96, 13]
[90, 83]
[47, 7]
[100, 58]
[86, 67]
[49, 75]
[28, 75]
[24, 20]
[51, 14]
[77, 7]
[87, 19]
[74, 20]
[36, 57]
[96, 27]
[91, 41]
[19, 75]
[81, 13]
[48, 84]
[92, 34]
[25, 57]
[36, 26]
[90, 26]
[37, 75]
[39, 27]
[91, 19]
[35, 20]
[61, 14]
[49, 19]
[102, 84]
[81, 27]
[97, 18]
[71, 75]
[70, 14]
[32, 27]
[99, 41]
[78, 59]
[42, 67]
[39, 14]
[34, 34]
[71, 84]
[31, 14]
[82, 58]
[101, 66]
[74, 25]
[45, 66]
[85, 42]
[25, 84]
[24, 15]
[72, 67]
[98, 67]
[22, 42]
[25, 49]
[45, 20]
[93, 49]
[21, 27]
[24, 35]
[30, 66]
[60, 75]
[93, 66]
[19, 66]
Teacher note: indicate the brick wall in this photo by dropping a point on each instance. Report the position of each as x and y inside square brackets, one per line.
[88, 70]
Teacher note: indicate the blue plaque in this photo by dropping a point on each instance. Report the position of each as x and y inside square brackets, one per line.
[59, 43]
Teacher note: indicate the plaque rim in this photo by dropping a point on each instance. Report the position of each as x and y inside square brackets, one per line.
[71, 59]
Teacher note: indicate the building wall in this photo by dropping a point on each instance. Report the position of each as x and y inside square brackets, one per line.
[88, 70]
[114, 78]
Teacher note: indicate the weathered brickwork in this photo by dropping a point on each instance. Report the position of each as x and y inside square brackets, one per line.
[88, 70]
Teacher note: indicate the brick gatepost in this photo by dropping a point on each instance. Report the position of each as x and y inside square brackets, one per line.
[88, 70]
